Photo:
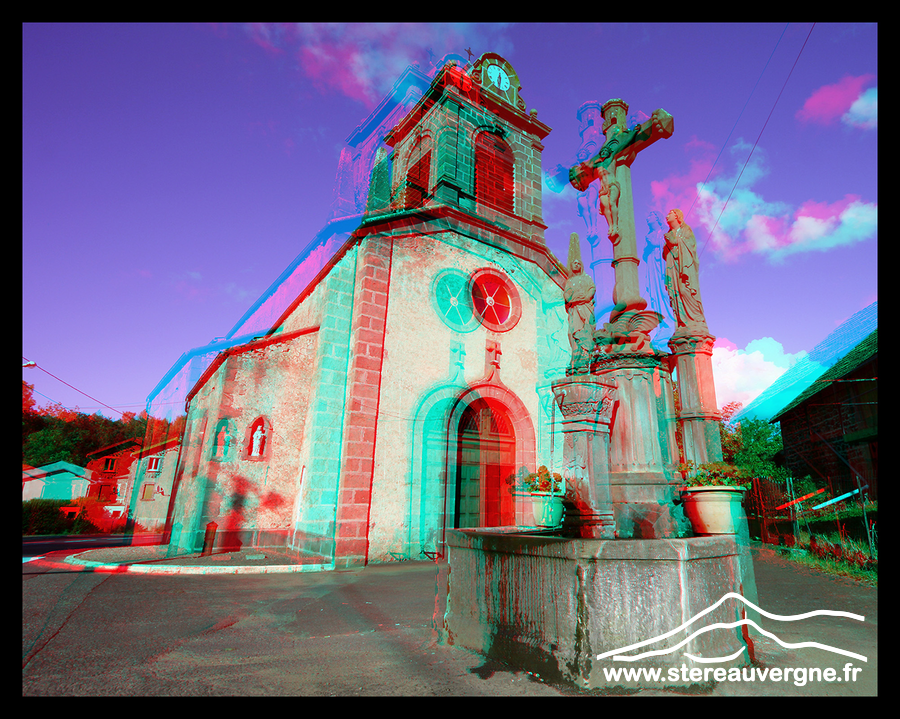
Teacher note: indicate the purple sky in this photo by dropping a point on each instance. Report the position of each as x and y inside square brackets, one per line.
[171, 172]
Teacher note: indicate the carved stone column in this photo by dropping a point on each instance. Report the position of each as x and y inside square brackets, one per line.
[586, 403]
[642, 449]
[698, 414]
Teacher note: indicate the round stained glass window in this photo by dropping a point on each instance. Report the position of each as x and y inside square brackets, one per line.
[495, 301]
[453, 300]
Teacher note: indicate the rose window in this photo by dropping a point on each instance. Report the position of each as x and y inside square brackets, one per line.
[453, 301]
[495, 300]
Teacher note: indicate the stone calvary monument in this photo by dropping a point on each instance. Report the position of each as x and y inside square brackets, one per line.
[639, 448]
[622, 583]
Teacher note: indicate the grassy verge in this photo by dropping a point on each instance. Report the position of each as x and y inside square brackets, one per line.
[838, 556]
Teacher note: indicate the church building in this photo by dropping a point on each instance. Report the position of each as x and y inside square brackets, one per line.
[407, 380]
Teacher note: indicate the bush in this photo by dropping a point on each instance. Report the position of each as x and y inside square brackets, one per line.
[714, 474]
[45, 516]
[842, 550]
[95, 519]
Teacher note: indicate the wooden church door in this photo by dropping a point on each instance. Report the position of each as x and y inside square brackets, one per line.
[486, 458]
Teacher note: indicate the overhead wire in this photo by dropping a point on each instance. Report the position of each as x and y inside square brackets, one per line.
[709, 237]
[740, 115]
[72, 386]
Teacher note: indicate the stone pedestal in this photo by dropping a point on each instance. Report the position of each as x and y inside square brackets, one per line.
[642, 446]
[566, 608]
[698, 413]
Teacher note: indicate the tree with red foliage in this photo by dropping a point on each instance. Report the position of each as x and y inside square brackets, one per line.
[57, 434]
[732, 442]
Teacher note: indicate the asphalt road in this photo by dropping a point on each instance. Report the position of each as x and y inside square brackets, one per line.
[36, 546]
[329, 633]
[344, 633]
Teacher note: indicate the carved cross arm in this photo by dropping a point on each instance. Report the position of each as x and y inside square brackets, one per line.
[660, 126]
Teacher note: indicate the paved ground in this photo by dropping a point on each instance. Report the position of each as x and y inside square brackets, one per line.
[280, 629]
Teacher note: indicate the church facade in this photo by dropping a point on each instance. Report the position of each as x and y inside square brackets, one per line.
[401, 390]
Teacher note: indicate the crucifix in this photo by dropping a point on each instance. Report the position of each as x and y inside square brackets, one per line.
[612, 166]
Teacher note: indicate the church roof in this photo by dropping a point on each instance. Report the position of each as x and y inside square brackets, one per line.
[851, 344]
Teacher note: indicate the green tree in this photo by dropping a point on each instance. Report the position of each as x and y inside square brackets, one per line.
[760, 442]
[57, 441]
[57, 434]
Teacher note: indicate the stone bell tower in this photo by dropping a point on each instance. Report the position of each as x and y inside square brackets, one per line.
[470, 143]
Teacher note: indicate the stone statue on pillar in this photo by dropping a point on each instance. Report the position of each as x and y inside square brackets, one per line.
[633, 456]
[579, 298]
[682, 276]
[691, 346]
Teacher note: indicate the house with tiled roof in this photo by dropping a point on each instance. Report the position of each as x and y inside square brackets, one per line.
[111, 467]
[58, 480]
[827, 406]
[153, 475]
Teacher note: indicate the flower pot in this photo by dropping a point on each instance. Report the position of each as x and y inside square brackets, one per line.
[547, 509]
[714, 510]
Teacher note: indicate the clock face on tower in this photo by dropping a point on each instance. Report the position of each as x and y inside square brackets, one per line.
[498, 76]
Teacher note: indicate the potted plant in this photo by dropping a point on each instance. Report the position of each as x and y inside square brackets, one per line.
[547, 493]
[712, 497]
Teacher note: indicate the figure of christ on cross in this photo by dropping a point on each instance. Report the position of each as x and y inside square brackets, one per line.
[612, 166]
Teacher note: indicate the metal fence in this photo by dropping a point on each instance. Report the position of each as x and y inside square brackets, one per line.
[770, 513]
[777, 513]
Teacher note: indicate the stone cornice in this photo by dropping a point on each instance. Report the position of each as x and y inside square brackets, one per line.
[453, 84]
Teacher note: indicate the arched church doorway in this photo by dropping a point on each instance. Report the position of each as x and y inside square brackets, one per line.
[486, 458]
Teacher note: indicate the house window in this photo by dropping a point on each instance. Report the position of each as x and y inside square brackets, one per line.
[109, 464]
[494, 172]
[153, 464]
[147, 491]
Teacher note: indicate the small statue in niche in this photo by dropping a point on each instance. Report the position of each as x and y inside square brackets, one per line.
[223, 438]
[579, 297]
[682, 274]
[259, 439]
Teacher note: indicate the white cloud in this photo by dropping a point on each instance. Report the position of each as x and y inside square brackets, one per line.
[752, 224]
[863, 113]
[856, 222]
[362, 60]
[741, 375]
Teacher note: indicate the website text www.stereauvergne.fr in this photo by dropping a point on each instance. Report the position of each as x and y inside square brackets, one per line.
[799, 675]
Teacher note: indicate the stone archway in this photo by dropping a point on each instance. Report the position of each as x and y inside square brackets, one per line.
[489, 433]
[486, 459]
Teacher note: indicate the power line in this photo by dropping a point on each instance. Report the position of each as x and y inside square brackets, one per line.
[69, 385]
[740, 115]
[52, 400]
[757, 141]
